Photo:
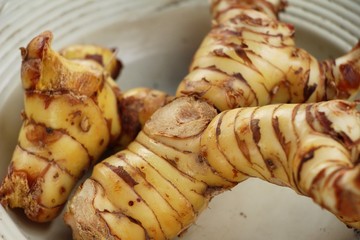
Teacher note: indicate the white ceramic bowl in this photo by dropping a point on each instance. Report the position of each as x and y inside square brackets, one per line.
[156, 41]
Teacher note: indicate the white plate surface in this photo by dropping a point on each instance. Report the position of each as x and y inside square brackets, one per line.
[156, 40]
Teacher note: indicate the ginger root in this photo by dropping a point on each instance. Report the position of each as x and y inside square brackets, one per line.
[105, 57]
[157, 186]
[249, 58]
[136, 107]
[72, 115]
[188, 152]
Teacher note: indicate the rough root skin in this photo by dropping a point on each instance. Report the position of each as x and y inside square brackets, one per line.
[72, 103]
[183, 156]
[249, 58]
[214, 135]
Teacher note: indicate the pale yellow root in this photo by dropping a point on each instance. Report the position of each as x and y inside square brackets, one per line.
[249, 58]
[70, 117]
